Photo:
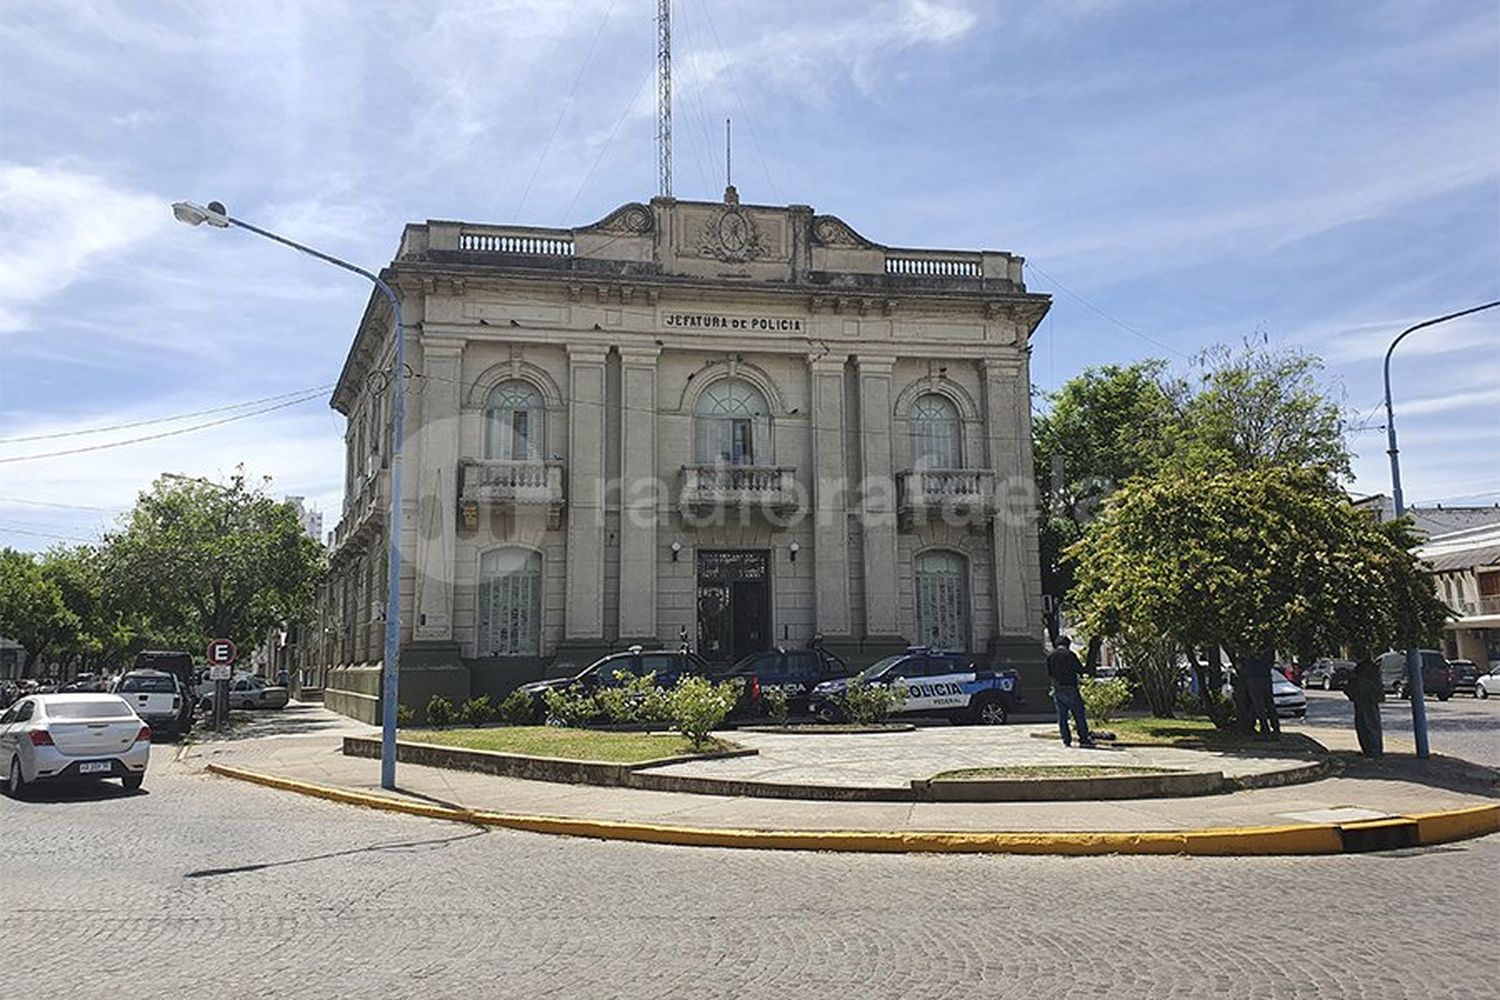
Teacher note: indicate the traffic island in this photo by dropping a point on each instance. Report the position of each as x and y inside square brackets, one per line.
[621, 753]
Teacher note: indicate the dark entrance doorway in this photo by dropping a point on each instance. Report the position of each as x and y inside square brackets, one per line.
[734, 603]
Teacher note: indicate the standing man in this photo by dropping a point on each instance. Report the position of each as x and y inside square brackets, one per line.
[1063, 668]
[1367, 692]
[1262, 702]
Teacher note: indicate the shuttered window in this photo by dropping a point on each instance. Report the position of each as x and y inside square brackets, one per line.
[513, 423]
[733, 425]
[510, 603]
[942, 600]
[936, 433]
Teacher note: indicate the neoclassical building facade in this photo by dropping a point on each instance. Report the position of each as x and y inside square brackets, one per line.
[746, 425]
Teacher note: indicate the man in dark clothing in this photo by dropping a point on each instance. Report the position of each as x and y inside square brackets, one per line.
[1063, 668]
[1257, 670]
[1367, 692]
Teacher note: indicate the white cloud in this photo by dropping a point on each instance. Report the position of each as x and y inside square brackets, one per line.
[54, 223]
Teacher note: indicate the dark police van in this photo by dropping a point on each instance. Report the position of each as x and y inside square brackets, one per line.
[936, 682]
[794, 672]
[666, 666]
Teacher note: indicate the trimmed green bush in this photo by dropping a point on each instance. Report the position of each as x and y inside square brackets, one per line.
[476, 711]
[633, 699]
[518, 709]
[405, 716]
[869, 704]
[778, 705]
[1103, 698]
[569, 708]
[698, 707]
[439, 711]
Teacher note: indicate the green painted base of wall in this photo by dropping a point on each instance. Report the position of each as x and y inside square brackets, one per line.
[427, 669]
[498, 676]
[1027, 656]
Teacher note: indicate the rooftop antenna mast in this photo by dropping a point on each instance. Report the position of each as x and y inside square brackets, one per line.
[664, 98]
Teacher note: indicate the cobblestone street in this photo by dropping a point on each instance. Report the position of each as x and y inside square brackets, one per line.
[209, 884]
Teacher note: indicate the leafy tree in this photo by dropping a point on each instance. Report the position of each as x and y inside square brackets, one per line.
[1104, 427]
[1259, 409]
[32, 609]
[200, 560]
[107, 629]
[1251, 561]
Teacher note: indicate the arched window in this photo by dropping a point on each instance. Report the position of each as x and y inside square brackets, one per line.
[733, 425]
[514, 423]
[942, 599]
[936, 433]
[510, 603]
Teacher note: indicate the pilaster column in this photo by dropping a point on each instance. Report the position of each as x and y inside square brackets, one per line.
[585, 559]
[436, 487]
[878, 500]
[1007, 415]
[830, 485]
[638, 492]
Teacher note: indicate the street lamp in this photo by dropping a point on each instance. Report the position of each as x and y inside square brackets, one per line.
[1413, 657]
[215, 214]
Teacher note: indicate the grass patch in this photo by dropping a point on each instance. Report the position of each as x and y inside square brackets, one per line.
[572, 744]
[1201, 734]
[1047, 771]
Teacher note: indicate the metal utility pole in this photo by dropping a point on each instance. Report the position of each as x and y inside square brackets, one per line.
[664, 98]
[217, 216]
[1413, 657]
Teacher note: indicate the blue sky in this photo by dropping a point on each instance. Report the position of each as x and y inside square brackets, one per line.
[1176, 173]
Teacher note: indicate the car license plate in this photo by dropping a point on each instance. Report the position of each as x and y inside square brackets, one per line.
[95, 767]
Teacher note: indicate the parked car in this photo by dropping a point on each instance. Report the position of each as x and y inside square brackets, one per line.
[1465, 677]
[937, 682]
[61, 737]
[1328, 674]
[666, 666]
[156, 696]
[1437, 675]
[246, 691]
[793, 671]
[180, 665]
[1289, 698]
[1487, 684]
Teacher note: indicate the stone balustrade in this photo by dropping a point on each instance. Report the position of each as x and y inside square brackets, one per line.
[920, 492]
[772, 487]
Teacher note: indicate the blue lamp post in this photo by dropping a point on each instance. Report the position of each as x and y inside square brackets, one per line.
[1413, 657]
[216, 215]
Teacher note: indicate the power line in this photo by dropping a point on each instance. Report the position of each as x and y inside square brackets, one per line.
[166, 420]
[65, 506]
[734, 88]
[563, 111]
[624, 113]
[163, 434]
[1117, 322]
[6, 529]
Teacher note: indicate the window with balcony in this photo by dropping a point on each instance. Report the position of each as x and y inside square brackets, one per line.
[510, 603]
[514, 423]
[733, 425]
[936, 433]
[942, 593]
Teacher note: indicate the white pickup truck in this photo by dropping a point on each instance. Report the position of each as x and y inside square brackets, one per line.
[156, 698]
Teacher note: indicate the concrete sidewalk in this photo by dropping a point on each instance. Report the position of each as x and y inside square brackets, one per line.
[1366, 793]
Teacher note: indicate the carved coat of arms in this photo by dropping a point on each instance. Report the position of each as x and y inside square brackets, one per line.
[731, 235]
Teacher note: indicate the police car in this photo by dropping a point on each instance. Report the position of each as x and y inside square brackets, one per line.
[936, 682]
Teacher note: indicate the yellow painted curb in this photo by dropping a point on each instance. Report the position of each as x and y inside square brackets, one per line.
[1293, 839]
[1457, 824]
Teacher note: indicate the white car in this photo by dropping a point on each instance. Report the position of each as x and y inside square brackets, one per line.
[1289, 698]
[61, 737]
[1487, 684]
